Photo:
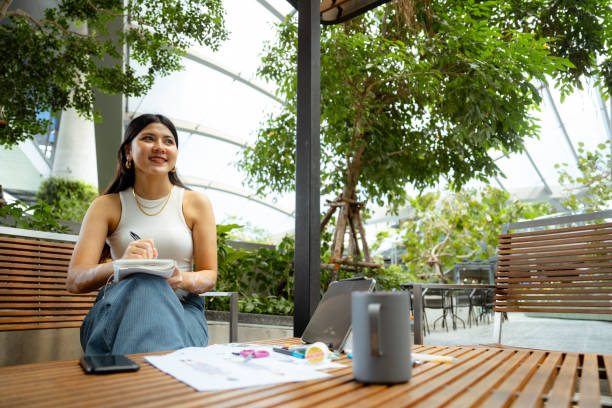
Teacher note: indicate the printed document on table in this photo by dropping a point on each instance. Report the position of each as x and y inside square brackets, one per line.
[215, 368]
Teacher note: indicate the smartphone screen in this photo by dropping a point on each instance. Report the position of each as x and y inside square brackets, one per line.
[107, 364]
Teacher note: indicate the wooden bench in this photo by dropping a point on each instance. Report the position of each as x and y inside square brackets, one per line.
[33, 291]
[559, 265]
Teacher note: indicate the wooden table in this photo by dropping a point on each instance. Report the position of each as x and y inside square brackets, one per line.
[487, 377]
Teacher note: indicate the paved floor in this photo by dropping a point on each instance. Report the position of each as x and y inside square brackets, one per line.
[526, 331]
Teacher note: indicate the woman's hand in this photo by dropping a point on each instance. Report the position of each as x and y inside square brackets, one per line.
[176, 280]
[141, 249]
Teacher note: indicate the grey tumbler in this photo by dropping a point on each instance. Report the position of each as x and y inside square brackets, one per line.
[381, 337]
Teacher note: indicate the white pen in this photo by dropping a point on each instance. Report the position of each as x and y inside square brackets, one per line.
[432, 357]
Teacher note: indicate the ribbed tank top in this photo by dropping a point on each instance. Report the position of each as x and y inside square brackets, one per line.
[168, 229]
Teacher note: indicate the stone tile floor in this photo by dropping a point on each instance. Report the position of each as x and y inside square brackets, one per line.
[519, 330]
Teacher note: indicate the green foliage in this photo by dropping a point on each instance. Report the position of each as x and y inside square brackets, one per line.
[49, 66]
[263, 278]
[580, 31]
[592, 189]
[274, 305]
[391, 277]
[39, 217]
[402, 105]
[69, 199]
[452, 227]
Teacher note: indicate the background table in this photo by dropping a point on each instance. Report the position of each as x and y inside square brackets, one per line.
[488, 377]
[417, 300]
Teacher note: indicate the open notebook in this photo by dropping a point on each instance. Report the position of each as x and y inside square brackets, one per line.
[331, 321]
[158, 267]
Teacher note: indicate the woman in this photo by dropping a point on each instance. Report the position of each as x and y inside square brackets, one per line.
[144, 313]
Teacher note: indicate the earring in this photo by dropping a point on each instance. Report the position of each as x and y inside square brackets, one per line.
[128, 164]
[173, 170]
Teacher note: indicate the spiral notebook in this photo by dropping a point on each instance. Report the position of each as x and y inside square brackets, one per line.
[158, 267]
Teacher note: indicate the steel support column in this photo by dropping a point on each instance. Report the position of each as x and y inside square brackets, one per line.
[307, 239]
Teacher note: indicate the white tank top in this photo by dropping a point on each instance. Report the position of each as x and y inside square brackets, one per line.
[168, 229]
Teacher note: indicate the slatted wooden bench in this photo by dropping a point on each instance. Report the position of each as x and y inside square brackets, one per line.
[557, 266]
[33, 286]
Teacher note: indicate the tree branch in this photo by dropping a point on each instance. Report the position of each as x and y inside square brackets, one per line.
[4, 8]
[471, 254]
[343, 68]
[410, 74]
[105, 11]
[395, 153]
[41, 23]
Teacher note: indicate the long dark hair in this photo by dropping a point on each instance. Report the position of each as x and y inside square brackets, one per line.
[124, 177]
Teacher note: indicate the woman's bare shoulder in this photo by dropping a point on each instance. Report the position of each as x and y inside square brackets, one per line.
[196, 199]
[107, 206]
[196, 207]
[107, 201]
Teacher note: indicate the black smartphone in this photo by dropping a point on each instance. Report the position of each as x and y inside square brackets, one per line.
[107, 364]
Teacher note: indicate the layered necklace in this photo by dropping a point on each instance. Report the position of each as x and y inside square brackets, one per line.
[155, 205]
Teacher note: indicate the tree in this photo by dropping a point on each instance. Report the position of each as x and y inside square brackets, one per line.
[591, 190]
[449, 227]
[53, 63]
[409, 102]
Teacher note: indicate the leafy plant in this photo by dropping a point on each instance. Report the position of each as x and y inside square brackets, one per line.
[39, 217]
[69, 199]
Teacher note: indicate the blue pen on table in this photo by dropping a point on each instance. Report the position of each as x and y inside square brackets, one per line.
[292, 353]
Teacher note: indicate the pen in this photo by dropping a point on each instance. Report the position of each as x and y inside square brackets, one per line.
[134, 236]
[432, 357]
[289, 352]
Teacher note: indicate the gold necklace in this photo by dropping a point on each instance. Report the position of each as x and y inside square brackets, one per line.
[141, 207]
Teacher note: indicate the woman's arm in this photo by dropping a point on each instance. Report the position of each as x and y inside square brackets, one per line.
[85, 273]
[200, 218]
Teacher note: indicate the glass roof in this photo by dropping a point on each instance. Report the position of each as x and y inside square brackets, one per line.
[211, 92]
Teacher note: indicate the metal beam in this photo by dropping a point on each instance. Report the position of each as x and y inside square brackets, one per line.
[501, 185]
[561, 125]
[200, 58]
[308, 154]
[197, 129]
[546, 186]
[213, 185]
[604, 115]
[606, 120]
[271, 9]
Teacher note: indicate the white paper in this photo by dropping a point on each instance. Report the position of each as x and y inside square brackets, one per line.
[216, 368]
[157, 267]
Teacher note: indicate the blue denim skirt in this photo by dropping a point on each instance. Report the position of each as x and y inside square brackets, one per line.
[142, 314]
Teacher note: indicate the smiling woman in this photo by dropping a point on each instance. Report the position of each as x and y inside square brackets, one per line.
[145, 313]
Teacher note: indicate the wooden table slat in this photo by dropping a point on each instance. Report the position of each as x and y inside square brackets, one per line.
[607, 359]
[482, 389]
[421, 374]
[588, 388]
[456, 371]
[506, 392]
[453, 390]
[562, 392]
[531, 395]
